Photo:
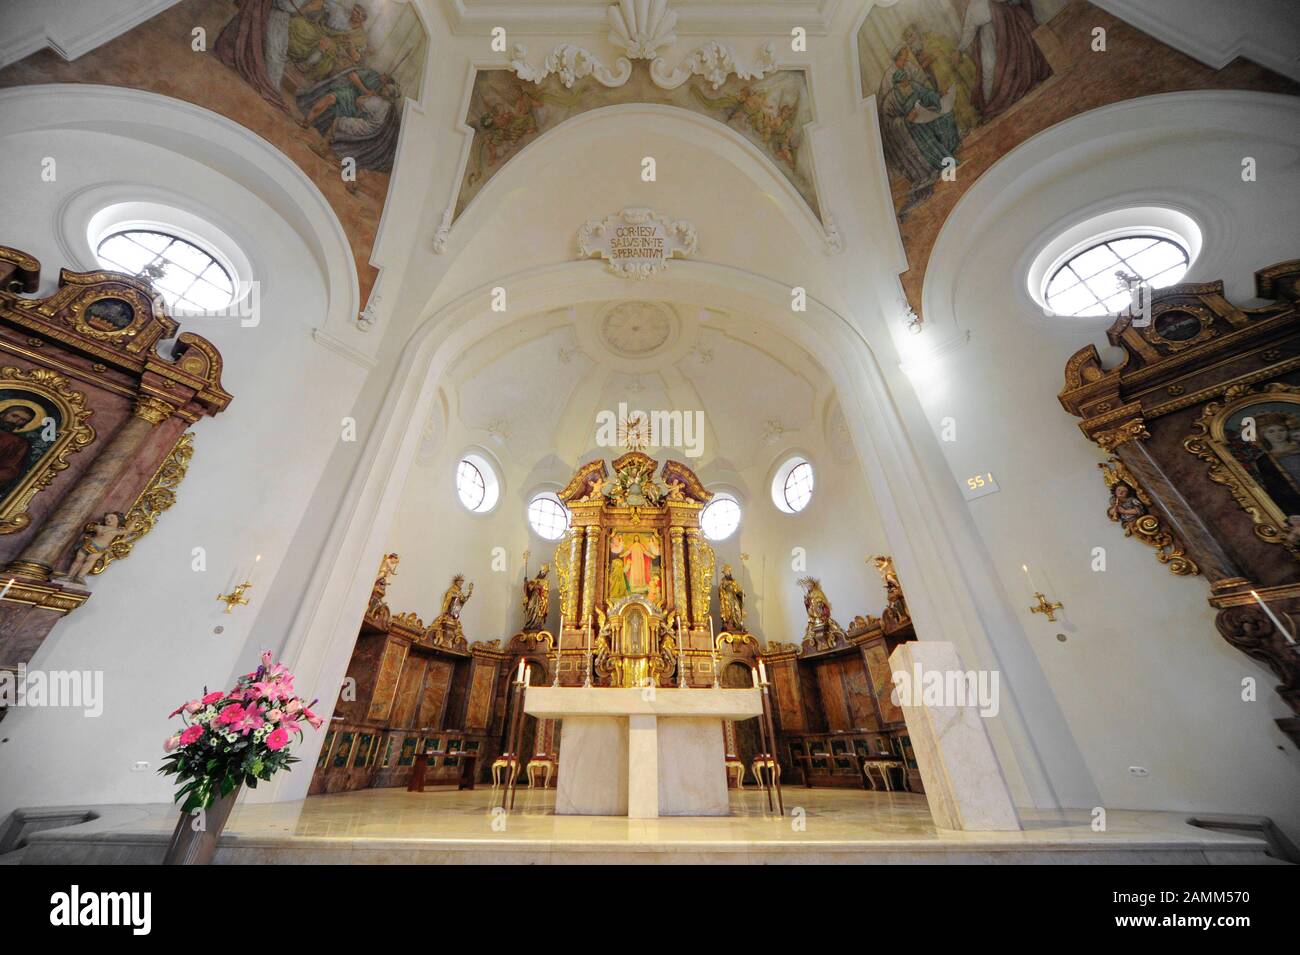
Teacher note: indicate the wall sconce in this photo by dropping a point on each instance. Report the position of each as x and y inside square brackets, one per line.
[1046, 608]
[236, 596]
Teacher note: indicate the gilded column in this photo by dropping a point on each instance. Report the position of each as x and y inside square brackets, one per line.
[67, 521]
[590, 563]
[681, 600]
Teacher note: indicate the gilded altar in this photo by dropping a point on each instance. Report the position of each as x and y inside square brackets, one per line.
[635, 576]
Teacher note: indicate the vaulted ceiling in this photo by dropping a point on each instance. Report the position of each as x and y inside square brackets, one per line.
[539, 386]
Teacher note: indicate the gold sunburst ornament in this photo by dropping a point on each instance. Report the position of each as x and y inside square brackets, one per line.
[634, 433]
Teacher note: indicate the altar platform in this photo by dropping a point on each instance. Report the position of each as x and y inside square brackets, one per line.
[392, 826]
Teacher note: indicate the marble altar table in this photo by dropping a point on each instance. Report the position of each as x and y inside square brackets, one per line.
[641, 753]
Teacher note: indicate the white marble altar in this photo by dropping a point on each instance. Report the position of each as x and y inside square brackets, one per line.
[641, 753]
[963, 781]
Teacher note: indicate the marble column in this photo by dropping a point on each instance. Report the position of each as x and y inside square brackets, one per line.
[67, 521]
[963, 781]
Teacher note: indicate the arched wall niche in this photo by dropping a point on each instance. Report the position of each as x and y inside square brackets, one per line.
[1142, 674]
[255, 465]
[221, 145]
[1041, 762]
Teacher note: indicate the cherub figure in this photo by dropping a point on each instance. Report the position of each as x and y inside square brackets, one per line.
[95, 540]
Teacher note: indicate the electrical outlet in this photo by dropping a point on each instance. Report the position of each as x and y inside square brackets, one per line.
[1139, 771]
[139, 766]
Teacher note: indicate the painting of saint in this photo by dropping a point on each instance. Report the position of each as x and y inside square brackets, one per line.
[1272, 459]
[635, 562]
[28, 423]
[939, 70]
[339, 68]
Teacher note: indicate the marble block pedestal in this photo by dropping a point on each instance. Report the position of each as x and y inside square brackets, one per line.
[641, 753]
[963, 781]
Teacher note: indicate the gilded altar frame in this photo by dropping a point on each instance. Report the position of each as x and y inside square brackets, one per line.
[72, 434]
[602, 504]
[1209, 442]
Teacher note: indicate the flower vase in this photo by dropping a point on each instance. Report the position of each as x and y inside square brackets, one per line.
[189, 846]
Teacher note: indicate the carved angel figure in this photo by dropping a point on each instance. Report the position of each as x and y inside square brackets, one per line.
[95, 540]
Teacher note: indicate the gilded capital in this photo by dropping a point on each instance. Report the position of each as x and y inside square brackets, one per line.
[1133, 429]
[151, 409]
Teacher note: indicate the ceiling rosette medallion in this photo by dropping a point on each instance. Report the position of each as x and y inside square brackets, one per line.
[636, 242]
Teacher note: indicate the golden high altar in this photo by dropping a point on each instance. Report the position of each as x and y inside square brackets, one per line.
[635, 576]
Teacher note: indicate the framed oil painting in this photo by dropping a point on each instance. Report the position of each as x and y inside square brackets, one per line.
[1251, 441]
[635, 566]
[42, 422]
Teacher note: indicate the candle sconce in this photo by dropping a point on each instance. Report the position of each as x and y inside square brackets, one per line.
[236, 597]
[1044, 607]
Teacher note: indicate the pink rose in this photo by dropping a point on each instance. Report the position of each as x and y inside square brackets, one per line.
[191, 734]
[277, 739]
[171, 743]
[273, 716]
[294, 705]
[193, 706]
[212, 697]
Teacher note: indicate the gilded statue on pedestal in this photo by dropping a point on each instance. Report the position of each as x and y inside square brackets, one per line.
[537, 600]
[821, 632]
[895, 611]
[377, 608]
[446, 626]
[731, 602]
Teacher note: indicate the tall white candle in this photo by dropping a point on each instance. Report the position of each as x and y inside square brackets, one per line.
[754, 674]
[520, 677]
[762, 671]
[1029, 577]
[1271, 616]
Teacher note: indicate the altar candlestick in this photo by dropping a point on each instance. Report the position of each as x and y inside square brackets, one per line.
[681, 657]
[1271, 616]
[587, 640]
[559, 637]
[713, 654]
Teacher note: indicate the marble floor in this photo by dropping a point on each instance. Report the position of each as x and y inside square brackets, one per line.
[820, 826]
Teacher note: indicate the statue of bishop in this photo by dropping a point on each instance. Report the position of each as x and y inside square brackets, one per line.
[537, 600]
[731, 602]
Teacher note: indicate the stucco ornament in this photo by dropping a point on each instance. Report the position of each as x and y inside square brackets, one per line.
[636, 242]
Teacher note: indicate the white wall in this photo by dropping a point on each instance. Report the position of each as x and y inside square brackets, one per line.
[1143, 677]
[149, 626]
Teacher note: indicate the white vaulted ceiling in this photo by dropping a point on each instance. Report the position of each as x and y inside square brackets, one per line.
[539, 385]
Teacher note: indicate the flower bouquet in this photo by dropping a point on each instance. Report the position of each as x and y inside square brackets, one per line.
[236, 737]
